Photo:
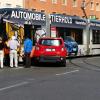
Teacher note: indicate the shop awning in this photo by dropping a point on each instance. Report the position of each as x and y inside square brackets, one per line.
[16, 24]
[60, 20]
[67, 21]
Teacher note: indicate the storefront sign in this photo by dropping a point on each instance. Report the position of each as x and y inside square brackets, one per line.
[28, 15]
[80, 22]
[95, 24]
[66, 21]
[23, 16]
[61, 19]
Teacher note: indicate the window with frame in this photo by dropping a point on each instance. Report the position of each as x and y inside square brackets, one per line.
[18, 6]
[92, 5]
[74, 3]
[8, 5]
[43, 0]
[64, 2]
[96, 36]
[54, 1]
[84, 4]
[97, 6]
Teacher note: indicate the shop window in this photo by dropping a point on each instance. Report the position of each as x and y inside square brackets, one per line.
[77, 35]
[96, 37]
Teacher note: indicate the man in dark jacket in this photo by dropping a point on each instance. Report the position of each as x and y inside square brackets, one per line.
[27, 51]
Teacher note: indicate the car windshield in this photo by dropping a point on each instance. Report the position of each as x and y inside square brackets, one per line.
[50, 42]
[69, 39]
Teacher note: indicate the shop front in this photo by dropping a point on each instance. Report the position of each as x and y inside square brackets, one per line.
[68, 26]
[21, 22]
[85, 33]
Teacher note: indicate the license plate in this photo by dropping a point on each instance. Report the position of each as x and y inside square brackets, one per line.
[50, 49]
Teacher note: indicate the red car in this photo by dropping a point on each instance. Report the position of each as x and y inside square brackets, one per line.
[50, 50]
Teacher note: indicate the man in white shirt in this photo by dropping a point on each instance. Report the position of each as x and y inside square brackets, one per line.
[13, 45]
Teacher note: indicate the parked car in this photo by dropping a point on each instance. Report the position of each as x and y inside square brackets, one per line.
[71, 45]
[50, 50]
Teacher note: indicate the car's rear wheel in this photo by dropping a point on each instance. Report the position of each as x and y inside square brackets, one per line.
[34, 61]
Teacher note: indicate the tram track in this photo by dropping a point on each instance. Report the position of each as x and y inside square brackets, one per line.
[83, 63]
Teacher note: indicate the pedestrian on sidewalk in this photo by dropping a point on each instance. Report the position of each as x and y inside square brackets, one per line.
[1, 52]
[13, 45]
[27, 51]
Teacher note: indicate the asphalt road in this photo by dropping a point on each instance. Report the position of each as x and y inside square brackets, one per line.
[79, 80]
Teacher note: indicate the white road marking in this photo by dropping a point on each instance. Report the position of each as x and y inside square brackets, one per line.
[31, 79]
[13, 86]
[18, 67]
[68, 72]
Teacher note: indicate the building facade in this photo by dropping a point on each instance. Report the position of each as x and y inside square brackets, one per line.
[11, 4]
[56, 18]
[68, 19]
[68, 7]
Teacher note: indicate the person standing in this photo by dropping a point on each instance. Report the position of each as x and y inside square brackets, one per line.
[1, 52]
[13, 45]
[27, 50]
